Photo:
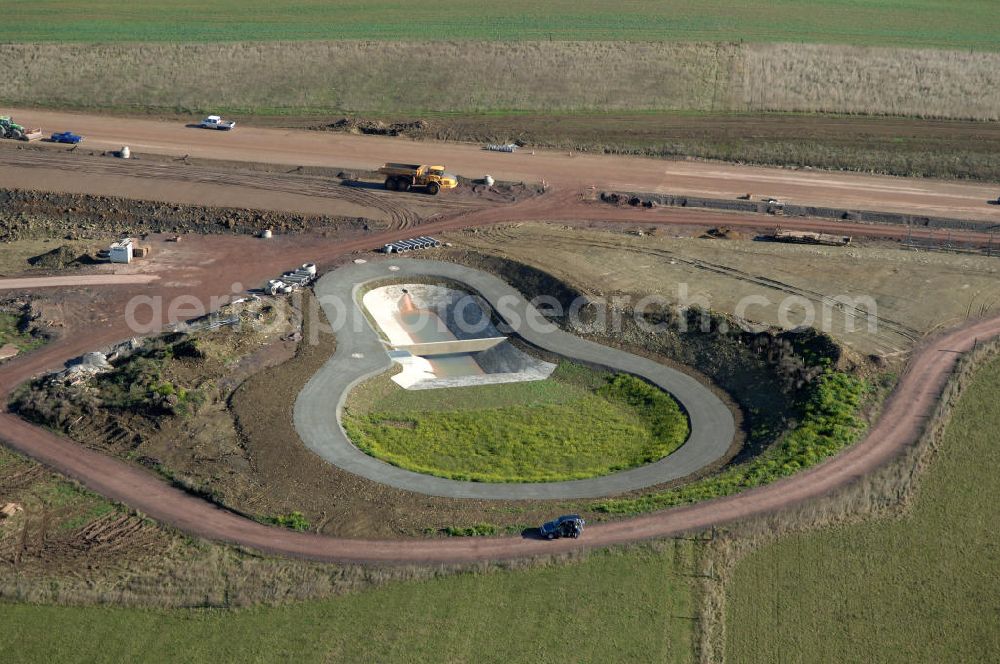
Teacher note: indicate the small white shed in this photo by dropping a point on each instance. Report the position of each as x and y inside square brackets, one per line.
[121, 251]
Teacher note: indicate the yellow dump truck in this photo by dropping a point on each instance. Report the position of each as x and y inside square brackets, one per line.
[401, 177]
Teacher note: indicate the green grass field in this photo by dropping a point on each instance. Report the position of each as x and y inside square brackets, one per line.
[922, 588]
[924, 23]
[633, 606]
[575, 425]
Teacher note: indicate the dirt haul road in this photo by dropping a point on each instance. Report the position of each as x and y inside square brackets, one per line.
[214, 186]
[174, 181]
[305, 148]
[900, 424]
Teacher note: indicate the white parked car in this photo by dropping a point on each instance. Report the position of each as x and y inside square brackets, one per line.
[216, 122]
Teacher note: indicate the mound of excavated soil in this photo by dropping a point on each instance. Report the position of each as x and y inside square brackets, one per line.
[375, 127]
[32, 214]
[57, 259]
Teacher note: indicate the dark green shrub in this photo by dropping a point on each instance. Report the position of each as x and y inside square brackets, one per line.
[292, 520]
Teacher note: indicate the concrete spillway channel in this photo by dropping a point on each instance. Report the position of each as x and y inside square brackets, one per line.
[443, 336]
[362, 353]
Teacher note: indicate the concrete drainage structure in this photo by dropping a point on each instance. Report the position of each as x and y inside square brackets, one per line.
[361, 353]
[444, 337]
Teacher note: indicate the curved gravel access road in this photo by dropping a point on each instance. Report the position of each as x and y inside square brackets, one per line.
[900, 424]
[360, 354]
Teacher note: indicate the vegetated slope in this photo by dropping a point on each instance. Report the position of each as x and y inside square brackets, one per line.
[70, 546]
[492, 76]
[915, 589]
[164, 405]
[36, 215]
[938, 23]
[611, 607]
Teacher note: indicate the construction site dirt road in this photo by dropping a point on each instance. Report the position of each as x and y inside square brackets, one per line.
[566, 170]
[215, 186]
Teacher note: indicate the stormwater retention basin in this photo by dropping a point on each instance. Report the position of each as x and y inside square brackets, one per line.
[445, 337]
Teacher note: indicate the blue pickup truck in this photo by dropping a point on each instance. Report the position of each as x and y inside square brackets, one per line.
[66, 137]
